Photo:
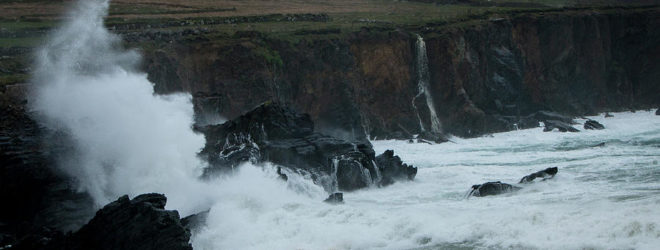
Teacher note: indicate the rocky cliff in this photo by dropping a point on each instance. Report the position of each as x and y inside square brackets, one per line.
[484, 73]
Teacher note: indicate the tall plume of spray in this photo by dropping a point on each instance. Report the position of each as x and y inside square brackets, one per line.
[126, 140]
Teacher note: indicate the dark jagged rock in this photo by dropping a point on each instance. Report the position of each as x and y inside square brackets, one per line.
[335, 198]
[140, 223]
[492, 188]
[34, 193]
[545, 174]
[591, 124]
[279, 135]
[392, 168]
[657, 111]
[495, 188]
[559, 125]
[282, 176]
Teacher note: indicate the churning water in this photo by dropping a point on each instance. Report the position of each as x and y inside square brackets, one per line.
[604, 197]
[126, 140]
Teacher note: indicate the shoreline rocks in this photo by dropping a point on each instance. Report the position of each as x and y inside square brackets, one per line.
[559, 125]
[138, 223]
[497, 187]
[278, 134]
[591, 124]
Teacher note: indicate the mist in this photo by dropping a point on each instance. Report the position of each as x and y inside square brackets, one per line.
[126, 139]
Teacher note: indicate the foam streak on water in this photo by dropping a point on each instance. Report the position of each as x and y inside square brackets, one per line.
[603, 197]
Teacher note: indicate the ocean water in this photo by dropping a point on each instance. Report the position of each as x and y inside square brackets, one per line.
[604, 197]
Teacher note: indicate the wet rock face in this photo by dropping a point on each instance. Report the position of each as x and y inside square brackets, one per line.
[496, 187]
[559, 125]
[543, 174]
[34, 193]
[393, 169]
[591, 124]
[277, 134]
[140, 223]
[492, 188]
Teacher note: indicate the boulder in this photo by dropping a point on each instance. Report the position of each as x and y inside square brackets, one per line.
[591, 124]
[559, 125]
[545, 174]
[657, 111]
[392, 168]
[335, 198]
[496, 187]
[492, 188]
[278, 134]
[140, 223]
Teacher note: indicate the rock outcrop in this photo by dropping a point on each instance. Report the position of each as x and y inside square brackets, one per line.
[551, 125]
[140, 223]
[277, 134]
[496, 187]
[34, 194]
[544, 174]
[591, 124]
[393, 169]
[492, 188]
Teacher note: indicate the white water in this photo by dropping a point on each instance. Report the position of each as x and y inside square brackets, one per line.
[602, 198]
[126, 140]
[129, 141]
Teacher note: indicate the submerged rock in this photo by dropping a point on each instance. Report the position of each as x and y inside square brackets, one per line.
[277, 134]
[591, 124]
[496, 187]
[559, 125]
[545, 174]
[336, 198]
[492, 188]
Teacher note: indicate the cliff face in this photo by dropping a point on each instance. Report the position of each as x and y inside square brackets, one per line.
[484, 75]
[487, 74]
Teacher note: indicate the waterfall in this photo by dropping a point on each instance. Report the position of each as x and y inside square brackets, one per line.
[423, 78]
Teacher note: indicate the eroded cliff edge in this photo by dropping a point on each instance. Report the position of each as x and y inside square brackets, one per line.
[485, 74]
